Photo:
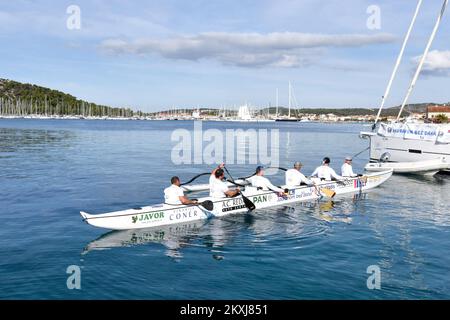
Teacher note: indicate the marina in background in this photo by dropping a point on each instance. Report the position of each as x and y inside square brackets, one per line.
[28, 101]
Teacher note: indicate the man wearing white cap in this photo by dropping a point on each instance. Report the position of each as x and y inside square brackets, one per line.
[295, 178]
[347, 169]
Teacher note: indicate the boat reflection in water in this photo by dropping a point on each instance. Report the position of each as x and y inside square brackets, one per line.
[173, 237]
[298, 222]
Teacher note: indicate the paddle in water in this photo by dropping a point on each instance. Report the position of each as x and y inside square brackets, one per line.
[208, 205]
[247, 202]
[328, 192]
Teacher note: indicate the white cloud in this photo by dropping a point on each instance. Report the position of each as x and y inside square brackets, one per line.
[286, 49]
[94, 25]
[436, 63]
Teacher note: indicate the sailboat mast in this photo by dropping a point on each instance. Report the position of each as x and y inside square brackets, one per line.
[276, 103]
[399, 59]
[424, 56]
[289, 115]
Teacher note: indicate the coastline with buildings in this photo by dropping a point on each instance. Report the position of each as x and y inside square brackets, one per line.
[433, 113]
[27, 101]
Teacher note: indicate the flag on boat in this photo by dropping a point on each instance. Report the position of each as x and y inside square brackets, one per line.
[358, 183]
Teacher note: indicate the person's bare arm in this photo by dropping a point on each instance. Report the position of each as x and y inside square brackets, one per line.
[185, 200]
[315, 173]
[336, 176]
[306, 181]
[274, 188]
[232, 193]
[220, 166]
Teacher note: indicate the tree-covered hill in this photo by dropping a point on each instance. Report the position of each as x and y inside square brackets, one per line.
[23, 99]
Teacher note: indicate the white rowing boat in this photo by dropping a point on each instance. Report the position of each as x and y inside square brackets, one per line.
[165, 214]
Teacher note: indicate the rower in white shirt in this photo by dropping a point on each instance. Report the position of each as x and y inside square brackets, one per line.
[217, 187]
[174, 194]
[262, 183]
[347, 169]
[325, 172]
[295, 178]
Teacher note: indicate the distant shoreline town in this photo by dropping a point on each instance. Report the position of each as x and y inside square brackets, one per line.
[182, 115]
[18, 100]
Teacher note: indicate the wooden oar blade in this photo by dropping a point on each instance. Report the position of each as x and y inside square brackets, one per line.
[208, 205]
[328, 192]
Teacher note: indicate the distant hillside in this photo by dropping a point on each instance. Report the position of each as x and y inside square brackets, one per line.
[22, 99]
[393, 111]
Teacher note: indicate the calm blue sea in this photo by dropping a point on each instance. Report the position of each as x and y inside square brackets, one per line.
[52, 169]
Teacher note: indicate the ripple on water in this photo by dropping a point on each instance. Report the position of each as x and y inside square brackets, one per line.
[283, 228]
[53, 169]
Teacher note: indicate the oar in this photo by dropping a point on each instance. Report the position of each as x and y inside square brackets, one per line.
[247, 202]
[207, 204]
[228, 172]
[282, 169]
[244, 178]
[235, 183]
[196, 177]
[328, 192]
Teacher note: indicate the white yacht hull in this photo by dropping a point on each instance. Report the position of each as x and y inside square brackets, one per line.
[404, 150]
[408, 143]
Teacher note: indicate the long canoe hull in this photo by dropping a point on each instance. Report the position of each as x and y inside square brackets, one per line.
[161, 215]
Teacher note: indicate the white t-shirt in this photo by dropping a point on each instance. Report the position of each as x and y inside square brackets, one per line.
[172, 194]
[217, 187]
[264, 183]
[347, 170]
[295, 178]
[325, 172]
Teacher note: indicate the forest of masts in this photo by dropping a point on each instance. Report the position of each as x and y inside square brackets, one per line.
[19, 108]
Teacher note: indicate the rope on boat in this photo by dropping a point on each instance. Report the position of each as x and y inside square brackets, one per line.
[360, 152]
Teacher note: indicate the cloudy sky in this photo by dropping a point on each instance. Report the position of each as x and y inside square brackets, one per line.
[157, 54]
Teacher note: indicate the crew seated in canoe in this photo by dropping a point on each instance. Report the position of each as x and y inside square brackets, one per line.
[295, 178]
[325, 172]
[262, 183]
[347, 169]
[217, 187]
[174, 195]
